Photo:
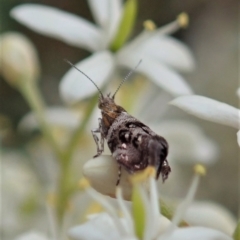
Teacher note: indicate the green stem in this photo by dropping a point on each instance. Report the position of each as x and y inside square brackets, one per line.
[63, 194]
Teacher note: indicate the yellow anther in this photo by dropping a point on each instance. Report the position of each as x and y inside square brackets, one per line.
[83, 183]
[200, 169]
[94, 208]
[143, 175]
[70, 206]
[149, 25]
[183, 20]
[52, 199]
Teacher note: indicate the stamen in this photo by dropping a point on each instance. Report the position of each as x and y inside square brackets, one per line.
[182, 208]
[149, 25]
[124, 210]
[154, 205]
[83, 183]
[99, 198]
[94, 208]
[50, 202]
[143, 175]
[183, 20]
[200, 169]
[51, 199]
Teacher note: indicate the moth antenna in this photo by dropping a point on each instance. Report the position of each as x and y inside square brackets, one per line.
[128, 75]
[85, 76]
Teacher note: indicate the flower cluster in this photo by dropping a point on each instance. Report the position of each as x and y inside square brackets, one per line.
[142, 214]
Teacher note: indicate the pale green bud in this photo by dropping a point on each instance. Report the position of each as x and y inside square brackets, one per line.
[19, 62]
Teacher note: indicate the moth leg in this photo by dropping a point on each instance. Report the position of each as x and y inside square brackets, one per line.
[119, 174]
[165, 170]
[96, 139]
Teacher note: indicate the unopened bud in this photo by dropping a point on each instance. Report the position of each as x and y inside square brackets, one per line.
[18, 59]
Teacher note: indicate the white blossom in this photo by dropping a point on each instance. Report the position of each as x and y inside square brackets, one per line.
[160, 52]
[210, 109]
[110, 226]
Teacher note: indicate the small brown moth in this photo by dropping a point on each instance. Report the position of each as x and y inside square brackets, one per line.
[133, 144]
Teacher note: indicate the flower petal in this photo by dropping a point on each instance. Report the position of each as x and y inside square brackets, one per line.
[100, 9]
[32, 236]
[103, 9]
[115, 14]
[209, 109]
[75, 86]
[238, 138]
[197, 233]
[102, 172]
[169, 51]
[188, 142]
[58, 24]
[107, 13]
[238, 93]
[161, 75]
[100, 227]
[55, 115]
[212, 215]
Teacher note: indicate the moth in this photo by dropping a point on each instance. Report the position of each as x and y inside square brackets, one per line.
[133, 144]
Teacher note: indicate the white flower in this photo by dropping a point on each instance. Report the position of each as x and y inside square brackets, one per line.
[188, 143]
[212, 215]
[210, 109]
[159, 51]
[111, 226]
[145, 220]
[55, 116]
[19, 186]
[32, 236]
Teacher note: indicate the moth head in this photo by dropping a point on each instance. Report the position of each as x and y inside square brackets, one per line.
[107, 103]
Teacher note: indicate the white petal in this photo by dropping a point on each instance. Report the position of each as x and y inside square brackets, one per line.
[32, 236]
[102, 172]
[100, 10]
[169, 51]
[161, 75]
[207, 214]
[209, 109]
[238, 138]
[197, 233]
[55, 116]
[75, 86]
[61, 25]
[115, 15]
[100, 227]
[188, 142]
[107, 14]
[238, 93]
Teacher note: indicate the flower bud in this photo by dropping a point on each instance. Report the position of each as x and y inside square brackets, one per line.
[102, 172]
[18, 58]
